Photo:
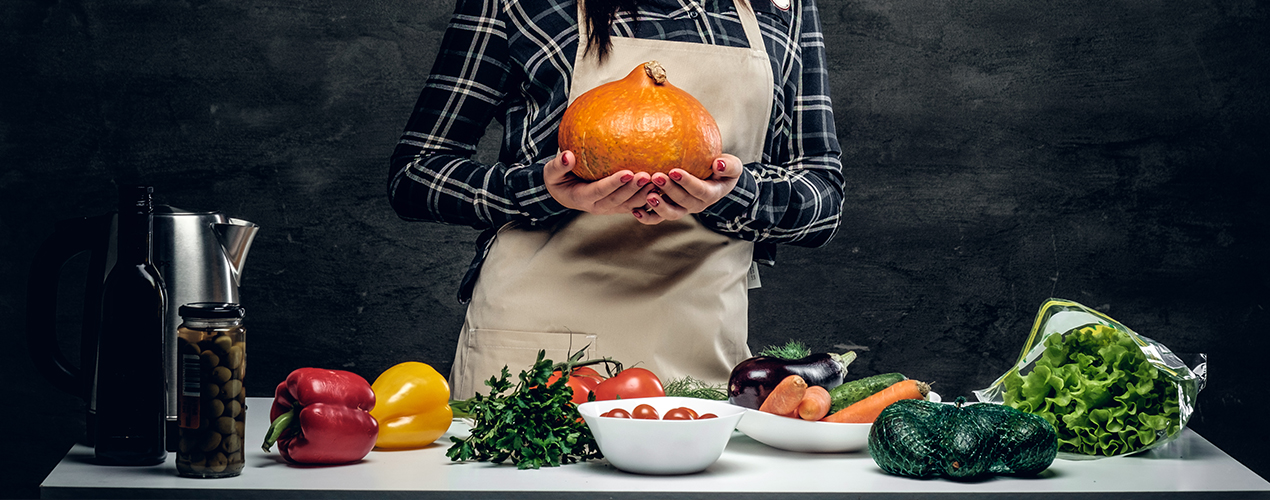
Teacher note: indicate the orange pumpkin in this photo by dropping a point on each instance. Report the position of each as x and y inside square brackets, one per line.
[640, 123]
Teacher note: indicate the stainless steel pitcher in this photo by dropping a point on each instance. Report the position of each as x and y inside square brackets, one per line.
[200, 256]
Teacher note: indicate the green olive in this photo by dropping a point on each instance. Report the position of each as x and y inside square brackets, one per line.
[210, 442]
[210, 359]
[186, 444]
[234, 357]
[231, 444]
[231, 388]
[225, 425]
[221, 374]
[215, 409]
[240, 428]
[223, 343]
[217, 463]
[235, 408]
[211, 390]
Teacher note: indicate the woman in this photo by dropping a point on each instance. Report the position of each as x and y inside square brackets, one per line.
[651, 270]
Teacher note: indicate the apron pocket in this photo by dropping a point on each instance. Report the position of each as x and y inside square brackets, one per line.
[487, 351]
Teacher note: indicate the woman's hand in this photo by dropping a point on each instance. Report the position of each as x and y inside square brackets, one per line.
[680, 194]
[621, 192]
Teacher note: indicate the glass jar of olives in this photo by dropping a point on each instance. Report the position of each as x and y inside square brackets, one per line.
[211, 411]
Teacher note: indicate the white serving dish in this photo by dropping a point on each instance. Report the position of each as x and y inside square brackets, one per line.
[804, 436]
[662, 446]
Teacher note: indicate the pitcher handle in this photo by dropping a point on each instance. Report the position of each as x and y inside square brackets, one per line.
[71, 237]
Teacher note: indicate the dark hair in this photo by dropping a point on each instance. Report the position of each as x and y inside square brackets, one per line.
[599, 18]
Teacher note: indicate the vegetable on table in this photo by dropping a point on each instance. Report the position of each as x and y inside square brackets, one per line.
[629, 383]
[641, 123]
[412, 406]
[581, 380]
[1097, 388]
[533, 424]
[918, 438]
[856, 390]
[322, 417]
[785, 397]
[753, 379]
[867, 410]
[815, 403]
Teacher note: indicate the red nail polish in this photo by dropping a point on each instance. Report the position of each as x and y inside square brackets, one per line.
[720, 165]
[654, 202]
[642, 182]
[637, 214]
[659, 181]
[564, 159]
[676, 176]
[627, 178]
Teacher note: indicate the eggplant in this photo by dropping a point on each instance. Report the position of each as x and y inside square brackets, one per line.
[753, 379]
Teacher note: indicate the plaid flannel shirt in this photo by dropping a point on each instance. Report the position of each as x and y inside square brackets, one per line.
[511, 60]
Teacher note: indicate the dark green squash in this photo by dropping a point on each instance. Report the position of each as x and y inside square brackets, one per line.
[919, 438]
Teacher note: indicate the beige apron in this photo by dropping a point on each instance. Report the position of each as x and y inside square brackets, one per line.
[671, 297]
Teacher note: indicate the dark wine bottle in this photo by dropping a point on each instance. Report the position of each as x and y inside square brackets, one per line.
[131, 387]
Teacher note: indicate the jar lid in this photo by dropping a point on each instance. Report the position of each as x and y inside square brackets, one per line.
[212, 310]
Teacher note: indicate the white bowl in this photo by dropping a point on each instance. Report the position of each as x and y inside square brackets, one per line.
[802, 435]
[662, 446]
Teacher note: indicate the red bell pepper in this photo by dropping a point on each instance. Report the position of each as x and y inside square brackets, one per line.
[322, 417]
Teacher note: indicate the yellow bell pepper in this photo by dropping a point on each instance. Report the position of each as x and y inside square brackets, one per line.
[411, 405]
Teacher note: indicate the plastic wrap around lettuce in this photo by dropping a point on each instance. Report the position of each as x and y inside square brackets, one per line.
[1107, 390]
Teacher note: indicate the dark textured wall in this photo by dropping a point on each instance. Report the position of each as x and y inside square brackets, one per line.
[997, 153]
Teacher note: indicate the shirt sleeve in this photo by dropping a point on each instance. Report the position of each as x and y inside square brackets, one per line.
[432, 175]
[793, 198]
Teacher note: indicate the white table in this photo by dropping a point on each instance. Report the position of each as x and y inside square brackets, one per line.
[1190, 466]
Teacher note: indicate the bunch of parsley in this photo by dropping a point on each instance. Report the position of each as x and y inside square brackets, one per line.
[533, 425]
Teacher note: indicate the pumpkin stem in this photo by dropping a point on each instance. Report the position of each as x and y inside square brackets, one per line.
[655, 71]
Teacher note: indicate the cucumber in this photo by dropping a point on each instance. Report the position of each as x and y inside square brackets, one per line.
[851, 392]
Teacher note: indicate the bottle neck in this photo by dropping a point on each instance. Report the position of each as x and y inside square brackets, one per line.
[136, 225]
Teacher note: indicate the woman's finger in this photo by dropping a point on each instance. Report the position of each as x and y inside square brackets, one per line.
[646, 216]
[667, 209]
[682, 188]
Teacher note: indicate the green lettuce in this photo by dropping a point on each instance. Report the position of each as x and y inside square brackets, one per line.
[1099, 391]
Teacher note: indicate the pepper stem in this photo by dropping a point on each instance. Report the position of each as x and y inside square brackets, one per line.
[279, 425]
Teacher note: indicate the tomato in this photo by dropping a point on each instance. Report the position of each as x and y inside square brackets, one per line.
[707, 415]
[586, 371]
[678, 414]
[616, 413]
[646, 412]
[581, 385]
[628, 384]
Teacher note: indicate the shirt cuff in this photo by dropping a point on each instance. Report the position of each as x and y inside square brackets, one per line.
[738, 202]
[528, 189]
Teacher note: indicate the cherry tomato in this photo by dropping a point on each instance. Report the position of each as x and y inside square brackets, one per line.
[628, 384]
[646, 412]
[581, 385]
[678, 414]
[616, 413]
[707, 415]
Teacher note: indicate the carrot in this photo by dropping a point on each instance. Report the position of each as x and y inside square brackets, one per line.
[784, 398]
[815, 403]
[867, 410]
